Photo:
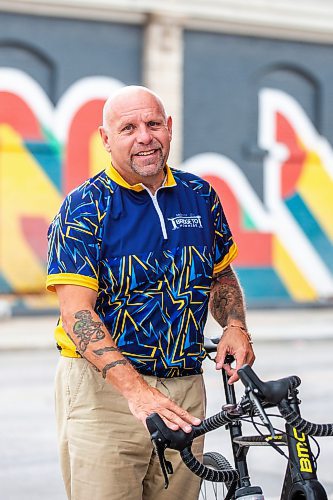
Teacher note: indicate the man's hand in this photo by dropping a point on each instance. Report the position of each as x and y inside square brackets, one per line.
[149, 400]
[236, 342]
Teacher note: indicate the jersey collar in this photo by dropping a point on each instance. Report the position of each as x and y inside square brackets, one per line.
[169, 180]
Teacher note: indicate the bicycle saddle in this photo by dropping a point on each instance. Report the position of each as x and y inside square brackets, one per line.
[273, 391]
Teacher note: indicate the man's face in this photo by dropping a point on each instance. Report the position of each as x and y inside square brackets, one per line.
[138, 135]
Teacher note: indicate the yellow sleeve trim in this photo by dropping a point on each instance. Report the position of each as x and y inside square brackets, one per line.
[233, 251]
[70, 279]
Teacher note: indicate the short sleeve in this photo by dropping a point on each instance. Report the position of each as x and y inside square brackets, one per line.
[73, 244]
[225, 246]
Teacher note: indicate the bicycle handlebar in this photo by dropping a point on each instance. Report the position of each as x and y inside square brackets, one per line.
[257, 394]
[302, 425]
[163, 438]
[271, 392]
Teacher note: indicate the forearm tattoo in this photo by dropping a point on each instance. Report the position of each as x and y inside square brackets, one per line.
[87, 330]
[100, 352]
[226, 298]
[112, 365]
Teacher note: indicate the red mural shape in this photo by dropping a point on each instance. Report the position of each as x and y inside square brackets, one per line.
[292, 167]
[254, 248]
[16, 113]
[77, 156]
[34, 230]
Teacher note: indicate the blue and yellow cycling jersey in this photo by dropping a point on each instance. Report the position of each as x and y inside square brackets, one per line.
[150, 258]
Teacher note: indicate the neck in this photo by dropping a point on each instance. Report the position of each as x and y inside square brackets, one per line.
[153, 186]
[151, 182]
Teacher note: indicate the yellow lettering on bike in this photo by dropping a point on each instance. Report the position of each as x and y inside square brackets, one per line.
[278, 437]
[305, 465]
[299, 438]
[302, 450]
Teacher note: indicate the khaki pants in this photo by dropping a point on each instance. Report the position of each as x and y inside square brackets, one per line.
[105, 452]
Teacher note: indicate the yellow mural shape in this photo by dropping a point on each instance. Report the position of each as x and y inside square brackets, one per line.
[99, 158]
[25, 191]
[290, 275]
[316, 188]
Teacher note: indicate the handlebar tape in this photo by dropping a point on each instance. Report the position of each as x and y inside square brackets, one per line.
[302, 425]
[163, 437]
[201, 470]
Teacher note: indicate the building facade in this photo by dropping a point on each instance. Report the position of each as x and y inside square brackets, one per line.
[248, 84]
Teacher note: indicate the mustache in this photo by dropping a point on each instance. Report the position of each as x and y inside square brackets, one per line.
[149, 147]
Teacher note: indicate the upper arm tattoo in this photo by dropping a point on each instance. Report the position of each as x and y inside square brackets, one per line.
[226, 299]
[87, 330]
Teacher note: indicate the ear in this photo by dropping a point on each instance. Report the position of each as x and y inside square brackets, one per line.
[105, 138]
[169, 125]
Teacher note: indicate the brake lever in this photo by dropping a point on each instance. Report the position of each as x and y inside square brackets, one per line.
[160, 443]
[261, 412]
[166, 465]
[162, 438]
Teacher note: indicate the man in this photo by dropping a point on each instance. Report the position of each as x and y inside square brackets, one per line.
[135, 255]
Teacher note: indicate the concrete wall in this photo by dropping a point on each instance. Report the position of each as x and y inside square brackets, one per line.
[248, 86]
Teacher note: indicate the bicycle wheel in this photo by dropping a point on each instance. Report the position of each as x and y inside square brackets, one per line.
[210, 490]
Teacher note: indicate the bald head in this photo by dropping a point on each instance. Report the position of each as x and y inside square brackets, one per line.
[137, 133]
[131, 95]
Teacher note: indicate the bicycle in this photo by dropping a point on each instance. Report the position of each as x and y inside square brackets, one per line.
[300, 481]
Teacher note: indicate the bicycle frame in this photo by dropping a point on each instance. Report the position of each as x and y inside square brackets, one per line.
[301, 476]
[300, 481]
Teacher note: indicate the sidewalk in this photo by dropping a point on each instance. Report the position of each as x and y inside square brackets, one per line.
[36, 332]
[284, 324]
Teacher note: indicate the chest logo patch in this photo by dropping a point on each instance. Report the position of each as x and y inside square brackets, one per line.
[184, 220]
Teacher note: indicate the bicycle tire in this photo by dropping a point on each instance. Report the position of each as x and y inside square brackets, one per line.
[210, 490]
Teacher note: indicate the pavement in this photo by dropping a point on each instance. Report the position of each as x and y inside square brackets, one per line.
[29, 466]
[36, 332]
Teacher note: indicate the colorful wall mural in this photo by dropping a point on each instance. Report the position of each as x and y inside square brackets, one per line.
[285, 240]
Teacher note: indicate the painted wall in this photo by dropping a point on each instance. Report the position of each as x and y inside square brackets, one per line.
[257, 124]
[55, 75]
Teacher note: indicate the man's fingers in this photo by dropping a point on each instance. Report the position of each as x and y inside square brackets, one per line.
[251, 358]
[180, 415]
[179, 419]
[234, 377]
[232, 372]
[220, 357]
